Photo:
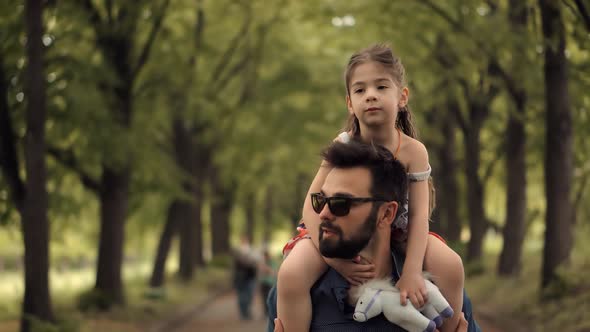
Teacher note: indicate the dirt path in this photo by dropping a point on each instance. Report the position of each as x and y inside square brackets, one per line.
[222, 315]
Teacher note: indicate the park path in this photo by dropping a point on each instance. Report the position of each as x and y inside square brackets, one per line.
[222, 315]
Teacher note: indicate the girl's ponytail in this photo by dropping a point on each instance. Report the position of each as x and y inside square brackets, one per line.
[353, 126]
[404, 122]
[431, 197]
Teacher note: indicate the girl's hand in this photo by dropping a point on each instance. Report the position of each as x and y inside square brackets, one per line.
[355, 271]
[412, 286]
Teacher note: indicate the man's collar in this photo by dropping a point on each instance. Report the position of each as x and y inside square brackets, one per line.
[332, 283]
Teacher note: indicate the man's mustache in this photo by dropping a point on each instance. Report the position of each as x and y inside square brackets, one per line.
[330, 227]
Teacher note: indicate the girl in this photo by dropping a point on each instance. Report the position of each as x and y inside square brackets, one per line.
[376, 99]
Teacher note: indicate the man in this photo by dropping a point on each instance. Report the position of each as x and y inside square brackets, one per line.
[357, 204]
[244, 279]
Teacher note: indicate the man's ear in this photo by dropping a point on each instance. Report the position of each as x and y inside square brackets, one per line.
[388, 214]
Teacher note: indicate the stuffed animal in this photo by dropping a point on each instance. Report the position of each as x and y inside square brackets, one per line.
[380, 295]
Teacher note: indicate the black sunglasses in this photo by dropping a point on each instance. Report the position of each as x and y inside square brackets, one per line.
[338, 205]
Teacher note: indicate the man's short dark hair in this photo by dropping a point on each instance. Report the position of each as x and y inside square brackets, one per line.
[389, 178]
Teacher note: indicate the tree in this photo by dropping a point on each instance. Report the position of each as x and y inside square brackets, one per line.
[558, 149]
[116, 33]
[30, 195]
[514, 227]
[446, 212]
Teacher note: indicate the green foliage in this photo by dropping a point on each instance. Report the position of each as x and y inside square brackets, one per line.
[221, 261]
[62, 325]
[94, 299]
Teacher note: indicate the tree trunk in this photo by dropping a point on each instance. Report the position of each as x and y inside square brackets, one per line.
[220, 212]
[200, 163]
[558, 150]
[114, 198]
[170, 228]
[185, 214]
[9, 159]
[115, 180]
[514, 227]
[434, 144]
[447, 185]
[198, 224]
[475, 196]
[183, 150]
[250, 217]
[35, 226]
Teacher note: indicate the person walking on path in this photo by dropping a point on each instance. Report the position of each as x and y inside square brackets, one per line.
[244, 277]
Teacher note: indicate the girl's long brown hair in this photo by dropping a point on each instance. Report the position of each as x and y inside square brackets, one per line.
[383, 54]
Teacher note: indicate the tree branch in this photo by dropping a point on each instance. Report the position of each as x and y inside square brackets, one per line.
[231, 49]
[490, 169]
[147, 47]
[583, 13]
[197, 39]
[94, 14]
[68, 159]
[458, 27]
[456, 111]
[109, 6]
[199, 27]
[233, 72]
[252, 78]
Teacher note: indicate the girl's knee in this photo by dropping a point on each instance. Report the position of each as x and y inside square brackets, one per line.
[289, 280]
[300, 269]
[456, 272]
[444, 262]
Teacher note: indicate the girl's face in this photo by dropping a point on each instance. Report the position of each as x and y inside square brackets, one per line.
[374, 98]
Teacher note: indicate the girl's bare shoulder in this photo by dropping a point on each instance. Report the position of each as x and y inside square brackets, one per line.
[413, 154]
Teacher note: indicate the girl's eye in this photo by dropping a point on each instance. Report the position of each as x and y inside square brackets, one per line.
[381, 87]
[358, 91]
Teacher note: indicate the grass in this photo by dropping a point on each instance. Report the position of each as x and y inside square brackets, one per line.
[144, 307]
[517, 304]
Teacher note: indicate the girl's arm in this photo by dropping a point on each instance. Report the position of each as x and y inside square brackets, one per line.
[299, 271]
[302, 267]
[411, 283]
[309, 216]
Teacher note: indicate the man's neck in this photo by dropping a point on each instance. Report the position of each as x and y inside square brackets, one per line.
[378, 252]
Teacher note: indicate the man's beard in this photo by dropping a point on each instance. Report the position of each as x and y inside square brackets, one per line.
[348, 249]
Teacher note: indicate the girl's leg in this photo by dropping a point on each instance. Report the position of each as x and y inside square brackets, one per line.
[299, 271]
[446, 268]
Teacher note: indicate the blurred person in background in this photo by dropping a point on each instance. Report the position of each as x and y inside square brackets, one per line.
[246, 263]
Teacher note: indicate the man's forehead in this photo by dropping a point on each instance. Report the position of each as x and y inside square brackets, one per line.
[354, 181]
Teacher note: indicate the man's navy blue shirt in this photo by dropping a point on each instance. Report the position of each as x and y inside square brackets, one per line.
[331, 311]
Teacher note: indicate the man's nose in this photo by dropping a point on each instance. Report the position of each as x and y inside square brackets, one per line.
[326, 214]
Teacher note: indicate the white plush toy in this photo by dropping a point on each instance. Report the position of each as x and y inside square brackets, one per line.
[380, 295]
